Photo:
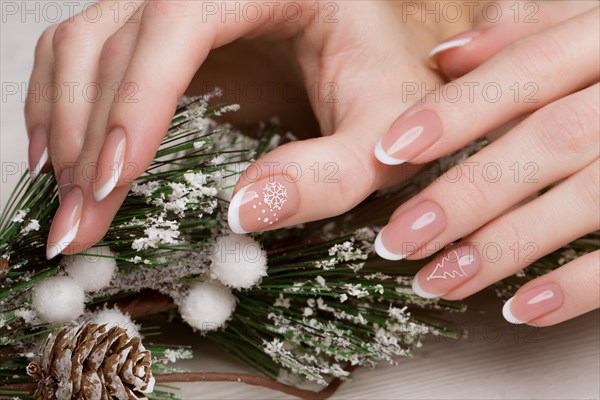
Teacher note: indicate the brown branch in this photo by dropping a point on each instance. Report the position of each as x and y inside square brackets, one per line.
[248, 379]
[254, 380]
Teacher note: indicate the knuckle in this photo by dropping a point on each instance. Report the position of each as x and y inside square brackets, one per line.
[113, 51]
[590, 190]
[592, 274]
[472, 192]
[350, 174]
[71, 31]
[161, 9]
[45, 41]
[564, 127]
[532, 56]
[512, 233]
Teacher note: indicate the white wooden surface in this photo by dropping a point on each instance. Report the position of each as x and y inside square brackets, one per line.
[495, 361]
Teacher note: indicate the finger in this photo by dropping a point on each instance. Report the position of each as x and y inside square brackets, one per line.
[499, 24]
[552, 144]
[78, 223]
[314, 179]
[37, 107]
[562, 294]
[77, 44]
[523, 77]
[137, 122]
[516, 239]
[160, 70]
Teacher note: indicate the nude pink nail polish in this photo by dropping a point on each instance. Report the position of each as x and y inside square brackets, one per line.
[408, 137]
[66, 223]
[38, 151]
[110, 163]
[460, 40]
[533, 303]
[410, 230]
[447, 271]
[64, 183]
[263, 204]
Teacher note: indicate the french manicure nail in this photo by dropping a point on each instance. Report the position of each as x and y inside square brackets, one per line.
[110, 163]
[409, 136]
[459, 40]
[446, 272]
[410, 230]
[66, 223]
[533, 303]
[38, 151]
[262, 204]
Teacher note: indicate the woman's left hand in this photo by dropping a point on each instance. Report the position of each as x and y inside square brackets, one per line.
[489, 202]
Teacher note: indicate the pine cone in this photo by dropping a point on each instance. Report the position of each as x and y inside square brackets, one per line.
[90, 361]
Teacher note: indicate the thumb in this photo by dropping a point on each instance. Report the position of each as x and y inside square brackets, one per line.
[311, 180]
[497, 25]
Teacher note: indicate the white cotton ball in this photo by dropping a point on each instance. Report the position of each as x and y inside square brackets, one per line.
[92, 272]
[115, 317]
[238, 261]
[233, 173]
[207, 306]
[58, 299]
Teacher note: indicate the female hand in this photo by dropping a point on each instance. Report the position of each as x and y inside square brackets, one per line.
[548, 78]
[356, 53]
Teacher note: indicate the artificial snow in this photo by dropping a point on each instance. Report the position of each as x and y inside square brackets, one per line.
[92, 271]
[230, 178]
[207, 306]
[115, 317]
[238, 261]
[58, 299]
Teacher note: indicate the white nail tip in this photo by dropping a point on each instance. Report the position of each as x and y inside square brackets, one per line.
[38, 167]
[233, 213]
[384, 157]
[451, 44]
[385, 253]
[420, 292]
[508, 315]
[108, 187]
[58, 247]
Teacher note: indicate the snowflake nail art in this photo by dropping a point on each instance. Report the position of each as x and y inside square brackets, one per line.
[262, 204]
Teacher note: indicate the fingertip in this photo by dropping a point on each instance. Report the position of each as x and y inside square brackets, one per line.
[416, 287]
[383, 252]
[508, 315]
[384, 157]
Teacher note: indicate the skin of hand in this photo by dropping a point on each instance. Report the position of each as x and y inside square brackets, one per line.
[357, 55]
[487, 208]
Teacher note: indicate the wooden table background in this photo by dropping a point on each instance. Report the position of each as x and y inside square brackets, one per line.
[496, 361]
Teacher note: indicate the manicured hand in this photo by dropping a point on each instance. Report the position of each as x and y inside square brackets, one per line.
[352, 56]
[547, 81]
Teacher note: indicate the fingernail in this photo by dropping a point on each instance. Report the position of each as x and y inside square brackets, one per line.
[110, 163]
[532, 303]
[262, 204]
[446, 272]
[409, 136]
[38, 151]
[459, 40]
[66, 223]
[410, 230]
[64, 183]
